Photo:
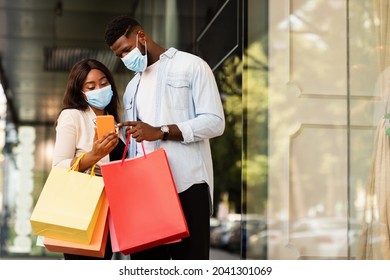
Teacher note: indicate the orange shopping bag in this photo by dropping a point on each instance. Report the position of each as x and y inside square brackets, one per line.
[144, 205]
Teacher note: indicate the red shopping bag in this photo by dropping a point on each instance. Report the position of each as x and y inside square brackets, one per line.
[114, 239]
[97, 246]
[144, 205]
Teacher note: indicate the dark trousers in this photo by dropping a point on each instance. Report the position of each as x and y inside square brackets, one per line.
[196, 207]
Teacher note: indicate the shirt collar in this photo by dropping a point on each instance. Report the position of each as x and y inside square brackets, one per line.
[169, 53]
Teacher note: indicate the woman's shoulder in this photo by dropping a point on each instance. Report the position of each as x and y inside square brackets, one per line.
[70, 114]
[71, 111]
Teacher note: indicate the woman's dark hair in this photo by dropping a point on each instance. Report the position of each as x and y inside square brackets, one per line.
[119, 26]
[73, 97]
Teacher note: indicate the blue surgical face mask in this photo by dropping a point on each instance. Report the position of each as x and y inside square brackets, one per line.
[99, 98]
[134, 60]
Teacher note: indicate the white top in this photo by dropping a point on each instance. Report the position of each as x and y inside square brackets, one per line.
[75, 135]
[146, 111]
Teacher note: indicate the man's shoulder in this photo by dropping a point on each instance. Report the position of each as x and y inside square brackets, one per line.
[178, 54]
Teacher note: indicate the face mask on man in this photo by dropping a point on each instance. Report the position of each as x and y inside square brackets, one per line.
[99, 98]
[134, 60]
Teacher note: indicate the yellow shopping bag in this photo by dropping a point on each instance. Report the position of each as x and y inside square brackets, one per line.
[97, 246]
[68, 206]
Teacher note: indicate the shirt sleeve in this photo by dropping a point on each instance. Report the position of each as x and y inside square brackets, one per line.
[209, 120]
[65, 145]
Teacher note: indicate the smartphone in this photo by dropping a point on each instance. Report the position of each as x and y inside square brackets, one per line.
[104, 124]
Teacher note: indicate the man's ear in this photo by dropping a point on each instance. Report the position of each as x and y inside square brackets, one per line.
[142, 37]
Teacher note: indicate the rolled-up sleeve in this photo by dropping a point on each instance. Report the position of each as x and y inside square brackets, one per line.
[202, 127]
[209, 120]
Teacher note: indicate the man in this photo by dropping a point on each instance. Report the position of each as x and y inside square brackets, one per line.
[172, 102]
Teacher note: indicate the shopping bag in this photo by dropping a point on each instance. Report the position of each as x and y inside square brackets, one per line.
[97, 246]
[144, 205]
[68, 206]
[114, 239]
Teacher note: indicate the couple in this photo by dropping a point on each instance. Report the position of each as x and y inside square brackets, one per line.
[173, 98]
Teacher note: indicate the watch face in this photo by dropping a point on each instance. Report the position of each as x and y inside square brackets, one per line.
[164, 128]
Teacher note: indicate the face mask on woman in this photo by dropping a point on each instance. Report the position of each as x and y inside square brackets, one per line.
[134, 60]
[99, 98]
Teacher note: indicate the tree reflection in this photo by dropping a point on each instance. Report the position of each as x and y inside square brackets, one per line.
[240, 155]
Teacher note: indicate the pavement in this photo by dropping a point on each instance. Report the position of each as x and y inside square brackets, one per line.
[216, 254]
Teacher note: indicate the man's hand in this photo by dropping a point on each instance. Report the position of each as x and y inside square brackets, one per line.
[141, 131]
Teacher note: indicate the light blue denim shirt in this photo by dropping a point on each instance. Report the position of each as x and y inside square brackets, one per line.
[187, 95]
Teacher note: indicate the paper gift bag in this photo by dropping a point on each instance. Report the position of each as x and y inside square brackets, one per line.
[144, 204]
[97, 246]
[114, 239]
[68, 206]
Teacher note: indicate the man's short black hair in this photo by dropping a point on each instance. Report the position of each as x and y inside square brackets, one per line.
[119, 26]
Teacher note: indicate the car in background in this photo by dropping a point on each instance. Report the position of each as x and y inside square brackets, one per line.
[232, 233]
[264, 243]
[324, 237]
[307, 238]
[240, 232]
[219, 236]
[214, 223]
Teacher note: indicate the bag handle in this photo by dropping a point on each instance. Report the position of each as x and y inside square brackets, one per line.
[75, 166]
[127, 147]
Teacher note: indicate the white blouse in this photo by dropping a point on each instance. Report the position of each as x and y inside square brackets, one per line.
[74, 135]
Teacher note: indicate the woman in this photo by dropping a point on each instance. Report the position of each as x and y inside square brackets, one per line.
[90, 92]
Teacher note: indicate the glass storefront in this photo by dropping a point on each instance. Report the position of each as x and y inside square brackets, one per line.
[301, 170]
[308, 210]
[313, 80]
[326, 97]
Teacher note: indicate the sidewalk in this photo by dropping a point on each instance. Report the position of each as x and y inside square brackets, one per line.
[216, 254]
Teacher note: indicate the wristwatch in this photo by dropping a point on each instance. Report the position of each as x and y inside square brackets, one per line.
[165, 131]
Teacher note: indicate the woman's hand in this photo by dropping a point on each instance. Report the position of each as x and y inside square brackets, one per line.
[100, 148]
[103, 146]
